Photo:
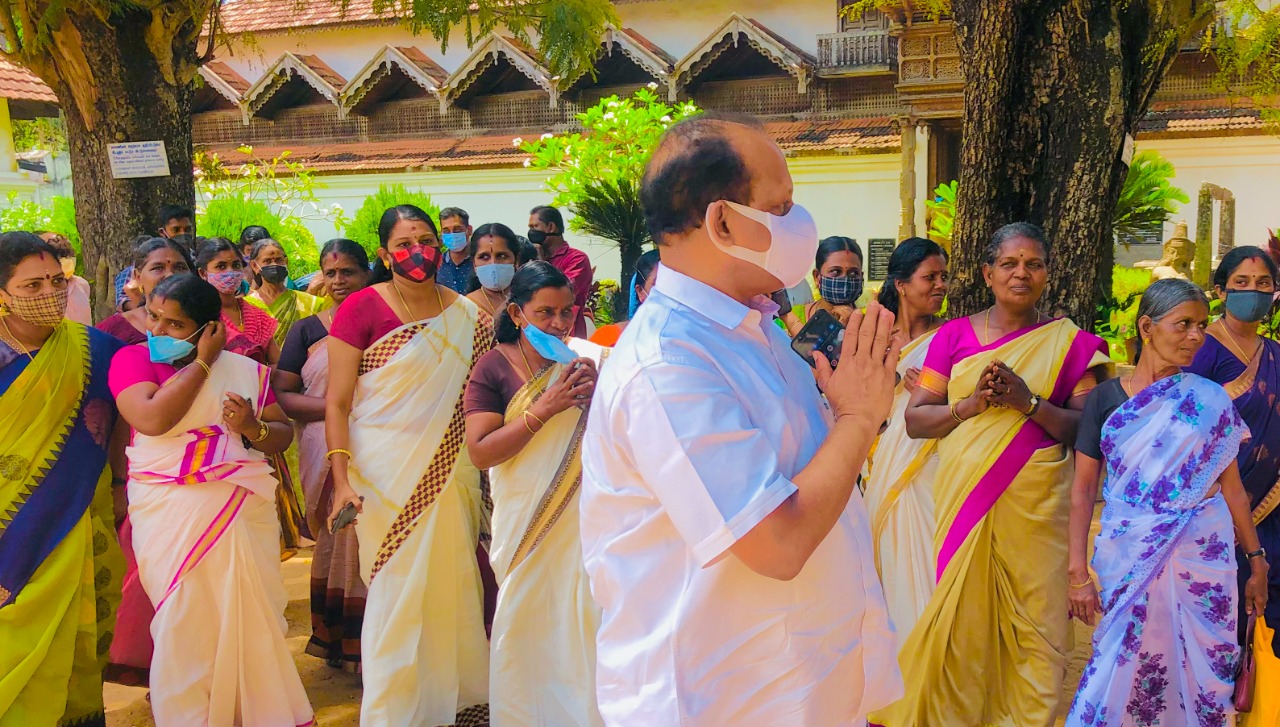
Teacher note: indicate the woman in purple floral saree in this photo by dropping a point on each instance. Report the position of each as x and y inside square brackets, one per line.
[1165, 651]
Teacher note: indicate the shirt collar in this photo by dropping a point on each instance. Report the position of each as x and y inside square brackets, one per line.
[701, 298]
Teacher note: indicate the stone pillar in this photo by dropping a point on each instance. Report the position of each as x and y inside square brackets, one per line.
[1226, 224]
[923, 190]
[1200, 268]
[907, 181]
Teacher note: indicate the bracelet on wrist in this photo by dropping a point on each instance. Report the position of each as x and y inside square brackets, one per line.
[955, 414]
[1077, 586]
[263, 432]
[338, 450]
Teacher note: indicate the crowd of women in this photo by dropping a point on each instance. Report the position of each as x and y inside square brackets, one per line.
[147, 493]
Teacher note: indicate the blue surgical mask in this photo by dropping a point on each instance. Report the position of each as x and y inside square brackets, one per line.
[167, 349]
[548, 346]
[1248, 306]
[455, 241]
[496, 276]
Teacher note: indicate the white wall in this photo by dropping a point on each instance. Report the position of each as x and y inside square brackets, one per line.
[1249, 166]
[674, 26]
[856, 196]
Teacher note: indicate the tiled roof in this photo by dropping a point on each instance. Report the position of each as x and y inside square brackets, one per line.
[1208, 117]
[429, 67]
[17, 82]
[323, 70]
[258, 16]
[227, 75]
[649, 45]
[500, 150]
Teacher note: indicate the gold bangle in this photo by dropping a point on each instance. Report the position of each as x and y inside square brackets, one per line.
[1078, 586]
[524, 417]
[208, 372]
[526, 412]
[955, 415]
[263, 432]
[329, 455]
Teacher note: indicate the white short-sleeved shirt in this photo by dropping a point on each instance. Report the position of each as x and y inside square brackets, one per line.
[700, 420]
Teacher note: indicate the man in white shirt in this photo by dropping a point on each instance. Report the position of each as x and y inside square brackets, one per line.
[732, 565]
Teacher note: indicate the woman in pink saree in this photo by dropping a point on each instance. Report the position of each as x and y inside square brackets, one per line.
[1002, 392]
[202, 503]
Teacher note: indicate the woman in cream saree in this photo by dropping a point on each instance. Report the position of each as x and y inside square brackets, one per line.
[60, 568]
[899, 486]
[400, 353]
[525, 418]
[205, 534]
[1001, 394]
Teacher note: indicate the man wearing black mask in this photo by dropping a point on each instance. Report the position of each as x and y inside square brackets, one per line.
[546, 230]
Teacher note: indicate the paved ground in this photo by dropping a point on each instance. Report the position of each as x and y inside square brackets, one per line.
[335, 695]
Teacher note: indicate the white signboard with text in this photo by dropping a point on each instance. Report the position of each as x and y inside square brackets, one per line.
[137, 159]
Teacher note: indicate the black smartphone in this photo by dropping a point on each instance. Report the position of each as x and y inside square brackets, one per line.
[821, 333]
[345, 516]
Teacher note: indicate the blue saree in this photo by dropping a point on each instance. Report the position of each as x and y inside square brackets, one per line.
[1165, 651]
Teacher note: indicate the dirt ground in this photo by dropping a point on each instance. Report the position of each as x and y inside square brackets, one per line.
[335, 694]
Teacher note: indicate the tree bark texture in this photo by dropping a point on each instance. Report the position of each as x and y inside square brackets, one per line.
[1051, 89]
[121, 77]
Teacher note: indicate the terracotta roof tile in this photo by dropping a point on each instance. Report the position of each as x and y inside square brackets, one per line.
[228, 76]
[257, 16]
[323, 70]
[875, 134]
[17, 82]
[429, 67]
[650, 45]
[808, 57]
[1203, 117]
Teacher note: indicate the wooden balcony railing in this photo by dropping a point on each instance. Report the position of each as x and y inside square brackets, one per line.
[857, 52]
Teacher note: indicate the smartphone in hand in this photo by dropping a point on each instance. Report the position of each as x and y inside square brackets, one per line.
[822, 333]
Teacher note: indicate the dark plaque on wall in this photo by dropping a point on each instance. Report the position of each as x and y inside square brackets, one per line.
[878, 252]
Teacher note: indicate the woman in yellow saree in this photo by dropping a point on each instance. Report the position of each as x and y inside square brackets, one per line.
[526, 413]
[270, 267]
[1002, 392]
[400, 353]
[60, 566]
[899, 486]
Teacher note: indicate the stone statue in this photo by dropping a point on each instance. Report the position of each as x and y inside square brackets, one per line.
[1179, 251]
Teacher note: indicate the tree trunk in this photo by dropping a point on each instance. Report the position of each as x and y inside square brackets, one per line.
[134, 102]
[631, 252]
[1052, 88]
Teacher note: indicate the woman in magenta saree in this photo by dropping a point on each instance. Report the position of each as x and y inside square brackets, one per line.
[1001, 391]
[1165, 651]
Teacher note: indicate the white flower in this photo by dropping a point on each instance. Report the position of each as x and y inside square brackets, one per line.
[653, 86]
[613, 104]
[516, 142]
[665, 119]
[609, 115]
[528, 162]
[544, 137]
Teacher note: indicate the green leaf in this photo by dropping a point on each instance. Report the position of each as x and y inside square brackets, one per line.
[363, 227]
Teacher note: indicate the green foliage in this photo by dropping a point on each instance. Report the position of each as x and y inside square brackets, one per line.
[933, 9]
[59, 216]
[41, 133]
[277, 193]
[1147, 199]
[1117, 318]
[596, 173]
[1247, 48]
[227, 216]
[568, 31]
[603, 295]
[943, 206]
[363, 227]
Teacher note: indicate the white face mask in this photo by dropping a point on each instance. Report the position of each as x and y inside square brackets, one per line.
[793, 243]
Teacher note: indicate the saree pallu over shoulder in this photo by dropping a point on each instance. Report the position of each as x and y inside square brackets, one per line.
[60, 566]
[1165, 651]
[545, 612]
[288, 308]
[424, 651]
[899, 496]
[989, 649]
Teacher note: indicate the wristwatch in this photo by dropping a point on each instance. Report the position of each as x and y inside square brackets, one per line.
[1259, 553]
[1035, 405]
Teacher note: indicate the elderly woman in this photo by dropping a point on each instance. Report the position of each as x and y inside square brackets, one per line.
[1165, 651]
[59, 566]
[269, 265]
[201, 499]
[899, 486]
[1002, 391]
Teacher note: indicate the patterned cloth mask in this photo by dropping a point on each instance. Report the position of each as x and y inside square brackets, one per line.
[47, 309]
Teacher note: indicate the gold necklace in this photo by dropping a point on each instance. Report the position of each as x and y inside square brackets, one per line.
[439, 302]
[10, 338]
[986, 323]
[1231, 338]
[491, 307]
